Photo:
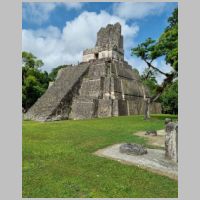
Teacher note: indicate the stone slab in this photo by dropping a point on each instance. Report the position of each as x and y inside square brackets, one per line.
[153, 161]
[83, 109]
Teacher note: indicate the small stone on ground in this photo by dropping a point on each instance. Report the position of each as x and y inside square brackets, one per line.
[158, 141]
[152, 133]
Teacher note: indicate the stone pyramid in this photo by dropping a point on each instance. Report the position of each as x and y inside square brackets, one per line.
[103, 85]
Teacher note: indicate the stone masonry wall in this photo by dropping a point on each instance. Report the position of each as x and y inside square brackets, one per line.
[104, 93]
[110, 36]
[103, 86]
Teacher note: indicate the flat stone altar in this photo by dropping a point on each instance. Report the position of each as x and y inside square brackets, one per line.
[154, 160]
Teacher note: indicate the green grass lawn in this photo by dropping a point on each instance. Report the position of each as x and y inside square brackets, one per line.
[58, 160]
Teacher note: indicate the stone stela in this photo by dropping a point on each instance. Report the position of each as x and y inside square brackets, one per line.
[103, 85]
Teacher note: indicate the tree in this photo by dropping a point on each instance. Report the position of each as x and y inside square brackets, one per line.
[169, 99]
[150, 50]
[34, 81]
[30, 61]
[150, 82]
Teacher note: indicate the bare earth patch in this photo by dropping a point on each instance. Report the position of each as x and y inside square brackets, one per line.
[158, 140]
[154, 160]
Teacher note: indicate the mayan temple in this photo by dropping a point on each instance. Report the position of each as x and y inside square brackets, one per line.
[102, 85]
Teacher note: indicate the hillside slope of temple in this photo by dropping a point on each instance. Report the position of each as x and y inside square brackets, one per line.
[55, 103]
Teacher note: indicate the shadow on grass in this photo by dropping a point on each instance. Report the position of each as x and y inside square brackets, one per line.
[163, 116]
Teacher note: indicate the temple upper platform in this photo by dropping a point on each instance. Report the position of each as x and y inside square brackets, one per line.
[109, 44]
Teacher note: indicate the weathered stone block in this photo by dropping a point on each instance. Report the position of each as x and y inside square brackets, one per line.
[117, 85]
[133, 110]
[133, 149]
[115, 108]
[105, 108]
[130, 87]
[151, 133]
[167, 120]
[171, 141]
[83, 109]
[123, 73]
[122, 106]
[106, 88]
[91, 88]
[110, 36]
[97, 70]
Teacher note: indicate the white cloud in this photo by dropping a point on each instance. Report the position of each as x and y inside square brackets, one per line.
[57, 47]
[39, 13]
[130, 10]
[74, 5]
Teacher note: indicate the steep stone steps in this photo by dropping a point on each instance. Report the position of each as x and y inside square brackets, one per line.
[47, 105]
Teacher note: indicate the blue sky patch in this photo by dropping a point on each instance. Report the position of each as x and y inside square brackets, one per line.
[57, 33]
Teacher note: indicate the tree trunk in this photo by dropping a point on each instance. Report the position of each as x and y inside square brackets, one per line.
[146, 105]
[147, 102]
[146, 109]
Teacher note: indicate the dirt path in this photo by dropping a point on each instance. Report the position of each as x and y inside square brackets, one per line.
[158, 141]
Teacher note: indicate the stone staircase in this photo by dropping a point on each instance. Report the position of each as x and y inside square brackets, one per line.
[55, 103]
[85, 105]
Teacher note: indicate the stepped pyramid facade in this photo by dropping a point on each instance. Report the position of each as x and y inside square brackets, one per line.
[103, 85]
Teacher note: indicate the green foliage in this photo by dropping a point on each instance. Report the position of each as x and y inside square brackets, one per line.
[169, 99]
[58, 160]
[54, 72]
[173, 20]
[30, 61]
[150, 50]
[167, 45]
[146, 50]
[150, 82]
[168, 41]
[34, 81]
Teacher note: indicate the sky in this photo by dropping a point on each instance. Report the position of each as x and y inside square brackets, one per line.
[57, 33]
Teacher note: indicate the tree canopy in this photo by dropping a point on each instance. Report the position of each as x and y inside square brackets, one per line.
[166, 46]
[34, 81]
[169, 99]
